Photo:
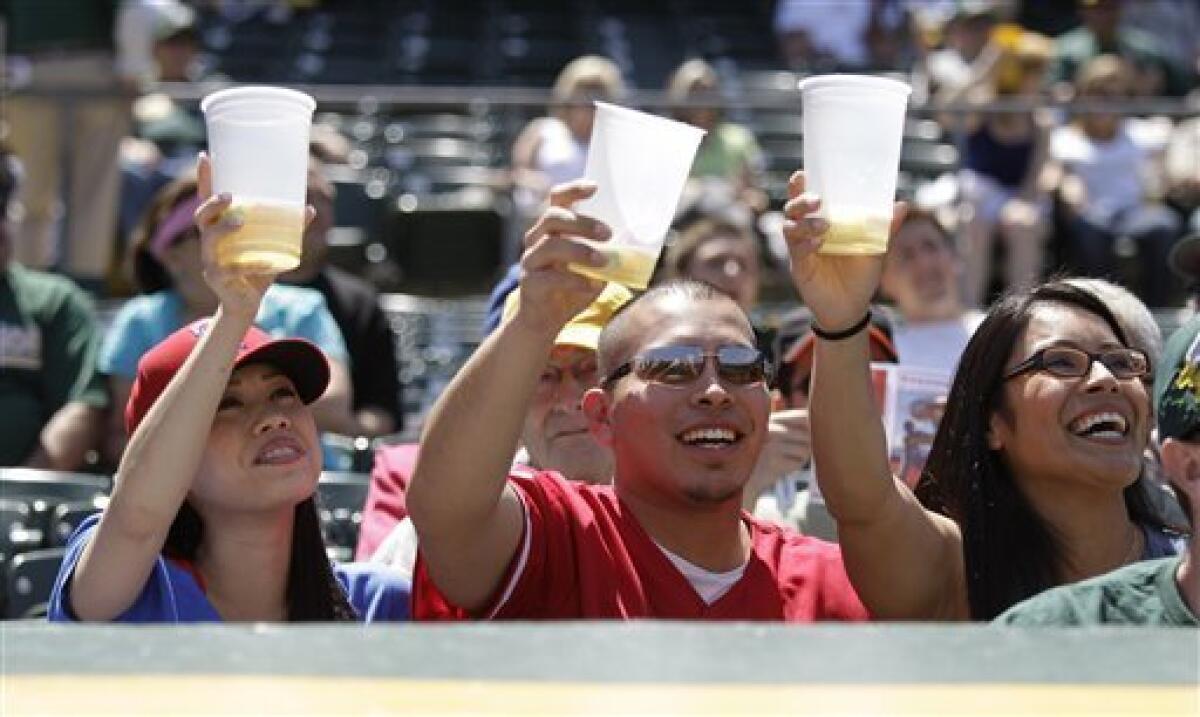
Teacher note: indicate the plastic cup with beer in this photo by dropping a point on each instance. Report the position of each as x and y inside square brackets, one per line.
[258, 143]
[853, 127]
[640, 163]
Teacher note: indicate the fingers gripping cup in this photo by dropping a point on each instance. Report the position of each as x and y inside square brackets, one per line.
[853, 127]
[258, 141]
[640, 163]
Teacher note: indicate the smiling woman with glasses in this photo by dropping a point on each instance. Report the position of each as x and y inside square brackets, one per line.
[1034, 478]
[1036, 463]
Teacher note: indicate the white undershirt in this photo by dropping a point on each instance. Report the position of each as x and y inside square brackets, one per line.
[708, 585]
[935, 344]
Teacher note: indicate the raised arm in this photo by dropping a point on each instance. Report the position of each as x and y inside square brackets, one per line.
[905, 562]
[162, 456]
[468, 520]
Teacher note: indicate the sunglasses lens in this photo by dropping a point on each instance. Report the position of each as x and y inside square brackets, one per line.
[671, 364]
[741, 364]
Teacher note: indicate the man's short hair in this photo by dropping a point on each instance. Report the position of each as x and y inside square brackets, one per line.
[615, 334]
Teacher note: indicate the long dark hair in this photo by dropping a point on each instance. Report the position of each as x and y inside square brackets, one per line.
[313, 593]
[1010, 552]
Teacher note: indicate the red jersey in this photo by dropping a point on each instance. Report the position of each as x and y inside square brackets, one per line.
[585, 556]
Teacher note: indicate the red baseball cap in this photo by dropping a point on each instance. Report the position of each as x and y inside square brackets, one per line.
[298, 359]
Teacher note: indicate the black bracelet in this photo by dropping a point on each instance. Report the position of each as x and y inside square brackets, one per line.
[840, 335]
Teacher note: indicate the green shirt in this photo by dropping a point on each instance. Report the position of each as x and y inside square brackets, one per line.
[1144, 593]
[726, 151]
[48, 345]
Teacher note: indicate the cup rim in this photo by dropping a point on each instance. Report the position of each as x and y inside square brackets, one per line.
[850, 81]
[237, 95]
[645, 118]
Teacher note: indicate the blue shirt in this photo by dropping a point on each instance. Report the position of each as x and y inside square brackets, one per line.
[286, 311]
[172, 595]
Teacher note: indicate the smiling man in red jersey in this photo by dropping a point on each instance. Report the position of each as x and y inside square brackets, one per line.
[683, 404]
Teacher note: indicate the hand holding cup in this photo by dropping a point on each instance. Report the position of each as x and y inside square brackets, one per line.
[838, 288]
[551, 293]
[237, 288]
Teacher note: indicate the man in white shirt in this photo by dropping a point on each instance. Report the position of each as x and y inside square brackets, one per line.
[921, 277]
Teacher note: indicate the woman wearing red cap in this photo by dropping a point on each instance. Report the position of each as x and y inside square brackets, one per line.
[212, 516]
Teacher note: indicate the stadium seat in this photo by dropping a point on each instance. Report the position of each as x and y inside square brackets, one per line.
[51, 485]
[340, 500]
[30, 579]
[67, 517]
[21, 528]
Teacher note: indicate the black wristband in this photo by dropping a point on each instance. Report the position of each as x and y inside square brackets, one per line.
[840, 335]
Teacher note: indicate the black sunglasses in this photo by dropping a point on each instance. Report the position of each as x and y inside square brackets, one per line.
[1069, 362]
[676, 365]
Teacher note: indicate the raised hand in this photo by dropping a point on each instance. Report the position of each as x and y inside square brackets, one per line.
[551, 293]
[838, 288]
[787, 449]
[237, 290]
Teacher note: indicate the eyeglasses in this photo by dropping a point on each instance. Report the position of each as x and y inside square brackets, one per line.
[1069, 362]
[678, 365]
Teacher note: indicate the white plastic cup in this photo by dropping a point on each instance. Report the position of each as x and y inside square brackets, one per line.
[258, 144]
[853, 128]
[640, 164]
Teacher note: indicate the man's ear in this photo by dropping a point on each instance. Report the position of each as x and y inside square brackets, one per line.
[1180, 462]
[597, 409]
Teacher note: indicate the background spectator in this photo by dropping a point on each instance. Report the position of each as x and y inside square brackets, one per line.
[853, 35]
[354, 304]
[1104, 33]
[1005, 153]
[51, 395]
[100, 51]
[718, 253]
[964, 35]
[166, 264]
[729, 154]
[553, 149]
[921, 276]
[1182, 166]
[1107, 171]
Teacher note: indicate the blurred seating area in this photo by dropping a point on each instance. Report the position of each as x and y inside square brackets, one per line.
[428, 98]
[40, 509]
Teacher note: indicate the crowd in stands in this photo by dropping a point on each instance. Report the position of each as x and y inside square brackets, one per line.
[732, 444]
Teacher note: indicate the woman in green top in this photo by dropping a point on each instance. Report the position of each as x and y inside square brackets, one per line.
[729, 152]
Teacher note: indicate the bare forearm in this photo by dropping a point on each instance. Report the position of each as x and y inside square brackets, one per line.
[849, 447]
[898, 555]
[67, 437]
[160, 460]
[472, 431]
